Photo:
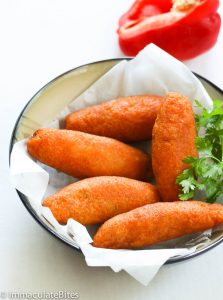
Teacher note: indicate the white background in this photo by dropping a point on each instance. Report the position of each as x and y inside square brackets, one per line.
[38, 41]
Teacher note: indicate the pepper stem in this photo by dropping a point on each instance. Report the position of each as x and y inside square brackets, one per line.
[184, 5]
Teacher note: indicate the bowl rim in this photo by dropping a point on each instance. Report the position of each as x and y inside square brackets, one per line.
[23, 198]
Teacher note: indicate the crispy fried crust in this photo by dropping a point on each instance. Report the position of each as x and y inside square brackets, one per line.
[174, 136]
[126, 119]
[84, 155]
[95, 200]
[157, 222]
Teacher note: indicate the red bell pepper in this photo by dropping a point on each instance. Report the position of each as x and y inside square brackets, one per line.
[183, 28]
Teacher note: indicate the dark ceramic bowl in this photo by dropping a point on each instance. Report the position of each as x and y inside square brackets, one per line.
[52, 98]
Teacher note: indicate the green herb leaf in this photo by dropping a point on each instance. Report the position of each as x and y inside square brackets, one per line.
[206, 172]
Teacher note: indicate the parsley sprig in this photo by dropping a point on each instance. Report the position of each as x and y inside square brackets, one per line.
[206, 172]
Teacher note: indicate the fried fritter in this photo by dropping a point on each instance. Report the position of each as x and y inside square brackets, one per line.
[173, 140]
[84, 155]
[157, 222]
[95, 200]
[127, 119]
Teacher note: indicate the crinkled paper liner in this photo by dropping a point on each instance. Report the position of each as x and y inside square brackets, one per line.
[152, 71]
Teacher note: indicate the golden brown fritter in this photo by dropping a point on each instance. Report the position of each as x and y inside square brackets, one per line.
[84, 155]
[174, 136]
[157, 222]
[95, 200]
[126, 119]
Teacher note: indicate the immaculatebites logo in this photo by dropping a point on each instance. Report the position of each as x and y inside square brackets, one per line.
[40, 295]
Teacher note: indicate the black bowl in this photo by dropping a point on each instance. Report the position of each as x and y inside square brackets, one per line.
[52, 98]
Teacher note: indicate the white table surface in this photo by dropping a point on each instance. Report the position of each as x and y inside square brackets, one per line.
[40, 40]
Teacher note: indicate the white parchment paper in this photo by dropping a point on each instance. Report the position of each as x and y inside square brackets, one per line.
[152, 71]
